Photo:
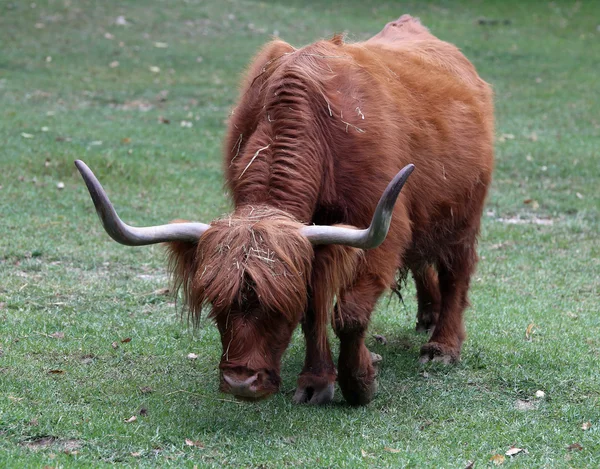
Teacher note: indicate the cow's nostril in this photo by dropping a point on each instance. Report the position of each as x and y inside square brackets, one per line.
[243, 386]
[259, 379]
[237, 383]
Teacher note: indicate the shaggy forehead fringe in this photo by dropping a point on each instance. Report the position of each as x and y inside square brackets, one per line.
[255, 258]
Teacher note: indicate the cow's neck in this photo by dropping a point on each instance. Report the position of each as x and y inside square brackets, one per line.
[285, 161]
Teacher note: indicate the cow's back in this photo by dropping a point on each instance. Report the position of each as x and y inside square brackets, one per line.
[417, 100]
[368, 109]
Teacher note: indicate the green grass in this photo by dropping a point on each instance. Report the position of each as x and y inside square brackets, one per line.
[59, 272]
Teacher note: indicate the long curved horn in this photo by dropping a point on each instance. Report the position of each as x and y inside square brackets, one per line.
[130, 235]
[372, 236]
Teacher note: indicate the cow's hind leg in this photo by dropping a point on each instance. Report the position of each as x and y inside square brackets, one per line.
[317, 380]
[449, 333]
[356, 374]
[428, 297]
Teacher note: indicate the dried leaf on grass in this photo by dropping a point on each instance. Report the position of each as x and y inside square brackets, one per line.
[574, 447]
[497, 459]
[365, 454]
[131, 419]
[56, 372]
[530, 331]
[392, 450]
[513, 451]
[534, 203]
[126, 340]
[58, 335]
[196, 444]
[192, 356]
[586, 426]
[504, 137]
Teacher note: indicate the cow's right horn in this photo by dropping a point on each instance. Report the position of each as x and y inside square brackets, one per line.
[372, 236]
[130, 235]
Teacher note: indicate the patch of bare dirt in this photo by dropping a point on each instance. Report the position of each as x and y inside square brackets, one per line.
[46, 442]
[135, 105]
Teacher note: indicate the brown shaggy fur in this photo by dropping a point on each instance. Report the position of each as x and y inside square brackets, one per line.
[317, 134]
[257, 254]
[333, 270]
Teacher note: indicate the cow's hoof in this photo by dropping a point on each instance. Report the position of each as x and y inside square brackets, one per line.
[315, 389]
[359, 386]
[357, 391]
[436, 352]
[376, 359]
[313, 396]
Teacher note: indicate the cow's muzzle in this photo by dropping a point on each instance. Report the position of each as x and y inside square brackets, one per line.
[247, 385]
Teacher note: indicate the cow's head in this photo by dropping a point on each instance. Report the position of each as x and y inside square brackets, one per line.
[252, 269]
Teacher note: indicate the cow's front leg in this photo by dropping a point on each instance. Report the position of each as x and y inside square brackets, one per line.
[356, 373]
[316, 383]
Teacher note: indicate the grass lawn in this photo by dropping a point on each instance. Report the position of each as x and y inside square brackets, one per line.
[140, 91]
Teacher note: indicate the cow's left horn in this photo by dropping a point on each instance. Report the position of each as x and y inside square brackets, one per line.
[130, 235]
[372, 236]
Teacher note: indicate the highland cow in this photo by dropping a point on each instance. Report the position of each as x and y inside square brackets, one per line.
[317, 135]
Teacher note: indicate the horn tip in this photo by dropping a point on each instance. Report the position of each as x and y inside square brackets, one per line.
[79, 165]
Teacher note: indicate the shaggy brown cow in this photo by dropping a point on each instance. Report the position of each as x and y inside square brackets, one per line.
[317, 134]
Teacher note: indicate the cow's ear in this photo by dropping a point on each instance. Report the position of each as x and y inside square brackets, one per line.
[183, 264]
[265, 62]
[244, 117]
